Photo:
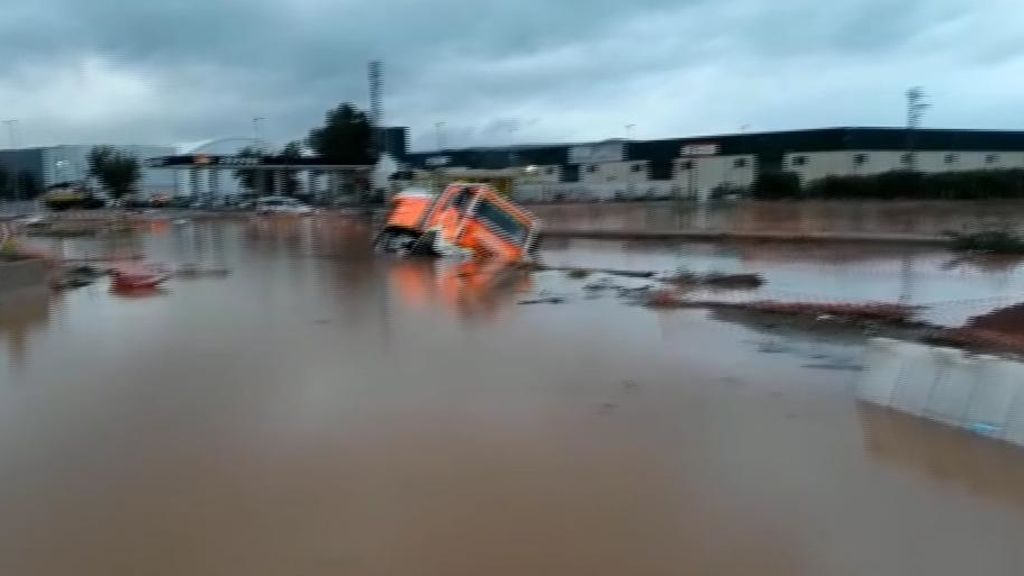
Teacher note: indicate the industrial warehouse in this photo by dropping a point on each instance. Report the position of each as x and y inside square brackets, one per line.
[693, 168]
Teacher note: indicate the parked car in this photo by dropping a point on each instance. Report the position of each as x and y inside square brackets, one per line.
[281, 205]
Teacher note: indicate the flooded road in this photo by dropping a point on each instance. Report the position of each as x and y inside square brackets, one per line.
[324, 411]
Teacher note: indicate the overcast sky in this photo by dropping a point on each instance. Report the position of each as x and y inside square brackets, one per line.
[167, 71]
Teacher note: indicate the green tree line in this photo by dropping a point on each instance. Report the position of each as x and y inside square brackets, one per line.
[898, 184]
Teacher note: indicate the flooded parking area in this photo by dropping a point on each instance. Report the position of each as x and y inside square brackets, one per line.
[323, 410]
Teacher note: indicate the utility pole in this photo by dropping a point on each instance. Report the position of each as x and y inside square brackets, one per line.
[916, 107]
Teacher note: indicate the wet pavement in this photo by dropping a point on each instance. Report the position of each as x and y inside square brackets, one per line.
[321, 410]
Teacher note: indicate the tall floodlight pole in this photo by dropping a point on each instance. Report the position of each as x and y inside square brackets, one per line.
[916, 107]
[375, 74]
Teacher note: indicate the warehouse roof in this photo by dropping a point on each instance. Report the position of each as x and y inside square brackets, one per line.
[815, 140]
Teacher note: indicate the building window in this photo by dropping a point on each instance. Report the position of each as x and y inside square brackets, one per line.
[739, 163]
[951, 158]
[636, 167]
[991, 158]
[799, 161]
[906, 159]
[860, 159]
[592, 168]
[686, 165]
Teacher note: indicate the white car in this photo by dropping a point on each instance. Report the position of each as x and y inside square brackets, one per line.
[281, 205]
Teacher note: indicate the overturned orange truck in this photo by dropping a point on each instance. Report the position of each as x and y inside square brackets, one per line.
[468, 220]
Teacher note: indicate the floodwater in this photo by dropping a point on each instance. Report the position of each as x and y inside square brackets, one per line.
[325, 411]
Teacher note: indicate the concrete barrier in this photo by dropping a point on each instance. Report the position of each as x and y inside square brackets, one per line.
[982, 394]
[951, 395]
[998, 389]
[22, 274]
[915, 381]
[881, 367]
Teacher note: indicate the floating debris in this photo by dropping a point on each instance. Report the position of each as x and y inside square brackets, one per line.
[79, 276]
[196, 271]
[548, 300]
[686, 278]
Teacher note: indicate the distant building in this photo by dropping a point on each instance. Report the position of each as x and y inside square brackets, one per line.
[50, 165]
[694, 167]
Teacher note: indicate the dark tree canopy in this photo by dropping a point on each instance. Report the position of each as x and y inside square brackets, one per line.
[250, 179]
[345, 138]
[116, 171]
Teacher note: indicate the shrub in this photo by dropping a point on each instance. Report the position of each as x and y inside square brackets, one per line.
[992, 241]
[776, 186]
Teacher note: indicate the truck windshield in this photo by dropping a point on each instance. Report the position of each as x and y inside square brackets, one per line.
[501, 222]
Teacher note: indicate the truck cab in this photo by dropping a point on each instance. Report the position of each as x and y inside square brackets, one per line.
[467, 219]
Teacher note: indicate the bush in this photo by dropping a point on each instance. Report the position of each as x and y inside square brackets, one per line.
[993, 242]
[776, 186]
[969, 185]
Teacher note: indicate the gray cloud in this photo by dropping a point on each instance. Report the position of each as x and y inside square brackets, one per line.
[494, 72]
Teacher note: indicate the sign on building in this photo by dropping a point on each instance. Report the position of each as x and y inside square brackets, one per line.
[597, 153]
[700, 149]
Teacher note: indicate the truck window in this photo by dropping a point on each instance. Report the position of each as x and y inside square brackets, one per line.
[501, 222]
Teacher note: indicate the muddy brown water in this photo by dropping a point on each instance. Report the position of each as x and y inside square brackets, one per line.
[325, 411]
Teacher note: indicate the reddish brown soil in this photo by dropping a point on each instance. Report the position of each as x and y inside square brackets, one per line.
[1001, 329]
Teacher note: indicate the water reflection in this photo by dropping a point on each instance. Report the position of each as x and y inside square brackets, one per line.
[22, 313]
[944, 454]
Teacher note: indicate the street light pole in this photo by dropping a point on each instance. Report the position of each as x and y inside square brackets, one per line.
[256, 132]
[916, 107]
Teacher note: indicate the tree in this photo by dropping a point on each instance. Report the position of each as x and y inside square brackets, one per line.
[291, 151]
[251, 179]
[345, 138]
[776, 186]
[117, 171]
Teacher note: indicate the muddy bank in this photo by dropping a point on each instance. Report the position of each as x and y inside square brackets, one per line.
[998, 331]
